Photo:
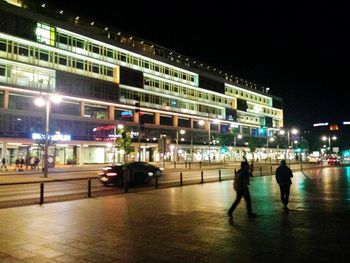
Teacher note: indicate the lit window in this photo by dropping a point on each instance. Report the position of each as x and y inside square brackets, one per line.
[45, 34]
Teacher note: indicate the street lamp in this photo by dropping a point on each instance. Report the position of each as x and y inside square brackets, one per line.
[325, 138]
[201, 122]
[283, 132]
[40, 102]
[182, 132]
[120, 127]
[271, 139]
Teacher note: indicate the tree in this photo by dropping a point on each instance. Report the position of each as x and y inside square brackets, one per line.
[253, 143]
[124, 142]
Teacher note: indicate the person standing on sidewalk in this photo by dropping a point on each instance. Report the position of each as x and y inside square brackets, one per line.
[241, 185]
[17, 162]
[3, 164]
[283, 175]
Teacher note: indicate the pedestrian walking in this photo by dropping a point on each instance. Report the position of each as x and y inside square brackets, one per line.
[251, 168]
[32, 161]
[36, 163]
[3, 164]
[21, 164]
[241, 185]
[17, 162]
[283, 175]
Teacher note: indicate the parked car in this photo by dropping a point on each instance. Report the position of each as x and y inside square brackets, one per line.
[140, 173]
[333, 161]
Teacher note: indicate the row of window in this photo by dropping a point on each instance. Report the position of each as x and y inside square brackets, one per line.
[246, 95]
[21, 75]
[129, 96]
[116, 55]
[262, 109]
[248, 119]
[185, 92]
[39, 56]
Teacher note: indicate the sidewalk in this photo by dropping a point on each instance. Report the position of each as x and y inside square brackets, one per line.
[185, 224]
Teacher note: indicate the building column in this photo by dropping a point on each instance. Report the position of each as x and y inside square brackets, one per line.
[207, 125]
[6, 99]
[111, 113]
[82, 109]
[176, 121]
[136, 118]
[81, 155]
[157, 118]
[191, 123]
[4, 149]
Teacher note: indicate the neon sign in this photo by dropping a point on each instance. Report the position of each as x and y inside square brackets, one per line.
[55, 137]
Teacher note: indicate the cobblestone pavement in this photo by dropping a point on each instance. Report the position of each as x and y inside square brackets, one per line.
[188, 224]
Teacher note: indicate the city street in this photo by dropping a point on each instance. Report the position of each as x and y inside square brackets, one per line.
[188, 224]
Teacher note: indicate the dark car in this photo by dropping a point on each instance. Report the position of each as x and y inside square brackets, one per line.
[139, 173]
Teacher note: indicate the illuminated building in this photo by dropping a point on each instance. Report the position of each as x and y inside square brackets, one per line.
[102, 74]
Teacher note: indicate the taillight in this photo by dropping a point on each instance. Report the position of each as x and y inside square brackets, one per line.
[112, 174]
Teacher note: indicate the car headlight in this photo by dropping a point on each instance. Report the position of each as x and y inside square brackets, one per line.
[161, 168]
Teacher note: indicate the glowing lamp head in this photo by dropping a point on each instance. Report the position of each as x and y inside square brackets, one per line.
[40, 102]
[201, 122]
[55, 98]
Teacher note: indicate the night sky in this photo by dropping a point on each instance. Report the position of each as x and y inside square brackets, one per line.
[299, 50]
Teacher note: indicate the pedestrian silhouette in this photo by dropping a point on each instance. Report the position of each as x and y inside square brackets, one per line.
[17, 162]
[283, 175]
[21, 164]
[251, 168]
[241, 185]
[3, 164]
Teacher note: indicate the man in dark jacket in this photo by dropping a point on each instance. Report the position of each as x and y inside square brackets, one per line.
[283, 175]
[241, 186]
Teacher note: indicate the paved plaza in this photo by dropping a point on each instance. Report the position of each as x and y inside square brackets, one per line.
[188, 224]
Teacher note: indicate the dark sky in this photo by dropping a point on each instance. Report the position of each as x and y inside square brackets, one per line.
[299, 50]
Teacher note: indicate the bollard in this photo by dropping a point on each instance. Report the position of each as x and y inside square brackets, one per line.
[180, 179]
[126, 181]
[189, 165]
[156, 182]
[202, 181]
[174, 164]
[271, 169]
[89, 187]
[260, 170]
[219, 175]
[185, 164]
[41, 193]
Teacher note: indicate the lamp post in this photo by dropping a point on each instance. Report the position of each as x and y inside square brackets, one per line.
[325, 138]
[119, 126]
[201, 122]
[40, 102]
[271, 139]
[182, 132]
[294, 132]
[237, 136]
